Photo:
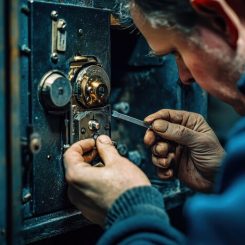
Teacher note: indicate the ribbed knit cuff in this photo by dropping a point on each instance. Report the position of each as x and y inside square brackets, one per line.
[143, 200]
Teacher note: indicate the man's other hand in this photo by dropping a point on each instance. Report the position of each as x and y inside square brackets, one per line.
[93, 189]
[184, 145]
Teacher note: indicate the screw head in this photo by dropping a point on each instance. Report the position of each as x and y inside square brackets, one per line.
[35, 144]
[25, 50]
[83, 130]
[54, 57]
[80, 32]
[26, 198]
[54, 15]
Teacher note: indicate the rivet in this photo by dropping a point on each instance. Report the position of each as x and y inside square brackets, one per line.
[54, 57]
[26, 50]
[54, 15]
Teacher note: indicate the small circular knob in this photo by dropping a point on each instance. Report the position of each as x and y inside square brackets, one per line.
[93, 125]
[55, 90]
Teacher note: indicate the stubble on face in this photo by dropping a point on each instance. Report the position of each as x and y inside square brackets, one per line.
[213, 65]
[226, 66]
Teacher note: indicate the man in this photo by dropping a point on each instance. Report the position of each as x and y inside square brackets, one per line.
[208, 39]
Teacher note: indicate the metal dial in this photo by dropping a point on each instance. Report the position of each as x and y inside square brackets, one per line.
[92, 86]
[55, 90]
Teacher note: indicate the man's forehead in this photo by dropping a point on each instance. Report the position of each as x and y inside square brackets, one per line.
[161, 40]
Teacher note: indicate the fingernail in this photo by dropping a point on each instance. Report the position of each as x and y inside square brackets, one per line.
[104, 139]
[160, 125]
[148, 119]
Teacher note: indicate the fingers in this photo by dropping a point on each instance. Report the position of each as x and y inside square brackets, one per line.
[185, 118]
[169, 115]
[78, 170]
[163, 162]
[106, 149]
[175, 132]
[149, 137]
[90, 156]
[165, 174]
[154, 140]
[74, 155]
[161, 149]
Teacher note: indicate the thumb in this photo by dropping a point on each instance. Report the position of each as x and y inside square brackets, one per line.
[175, 132]
[106, 149]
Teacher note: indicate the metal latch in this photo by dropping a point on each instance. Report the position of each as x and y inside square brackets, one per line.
[59, 35]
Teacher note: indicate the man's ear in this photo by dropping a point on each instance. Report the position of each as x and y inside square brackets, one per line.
[219, 17]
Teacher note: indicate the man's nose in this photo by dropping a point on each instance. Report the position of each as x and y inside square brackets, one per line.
[184, 73]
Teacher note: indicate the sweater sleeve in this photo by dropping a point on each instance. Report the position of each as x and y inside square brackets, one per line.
[220, 218]
[138, 217]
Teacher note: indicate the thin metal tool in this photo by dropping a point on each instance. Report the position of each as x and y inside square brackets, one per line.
[130, 119]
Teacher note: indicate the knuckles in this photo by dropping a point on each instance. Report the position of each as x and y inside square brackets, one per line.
[160, 162]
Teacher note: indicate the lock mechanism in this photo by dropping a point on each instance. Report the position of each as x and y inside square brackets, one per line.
[90, 82]
[91, 86]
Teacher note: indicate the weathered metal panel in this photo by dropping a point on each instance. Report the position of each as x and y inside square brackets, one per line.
[46, 211]
[49, 188]
[13, 123]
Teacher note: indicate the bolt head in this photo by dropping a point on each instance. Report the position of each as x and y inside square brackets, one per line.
[83, 130]
[54, 15]
[26, 198]
[80, 32]
[54, 57]
[26, 50]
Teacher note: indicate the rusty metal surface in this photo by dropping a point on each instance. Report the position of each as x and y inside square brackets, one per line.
[3, 162]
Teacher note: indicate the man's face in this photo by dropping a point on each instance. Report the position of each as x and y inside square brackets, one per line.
[204, 57]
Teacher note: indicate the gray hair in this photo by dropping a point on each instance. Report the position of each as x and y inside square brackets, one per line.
[168, 13]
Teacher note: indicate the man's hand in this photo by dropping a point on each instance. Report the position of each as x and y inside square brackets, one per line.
[195, 155]
[93, 189]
